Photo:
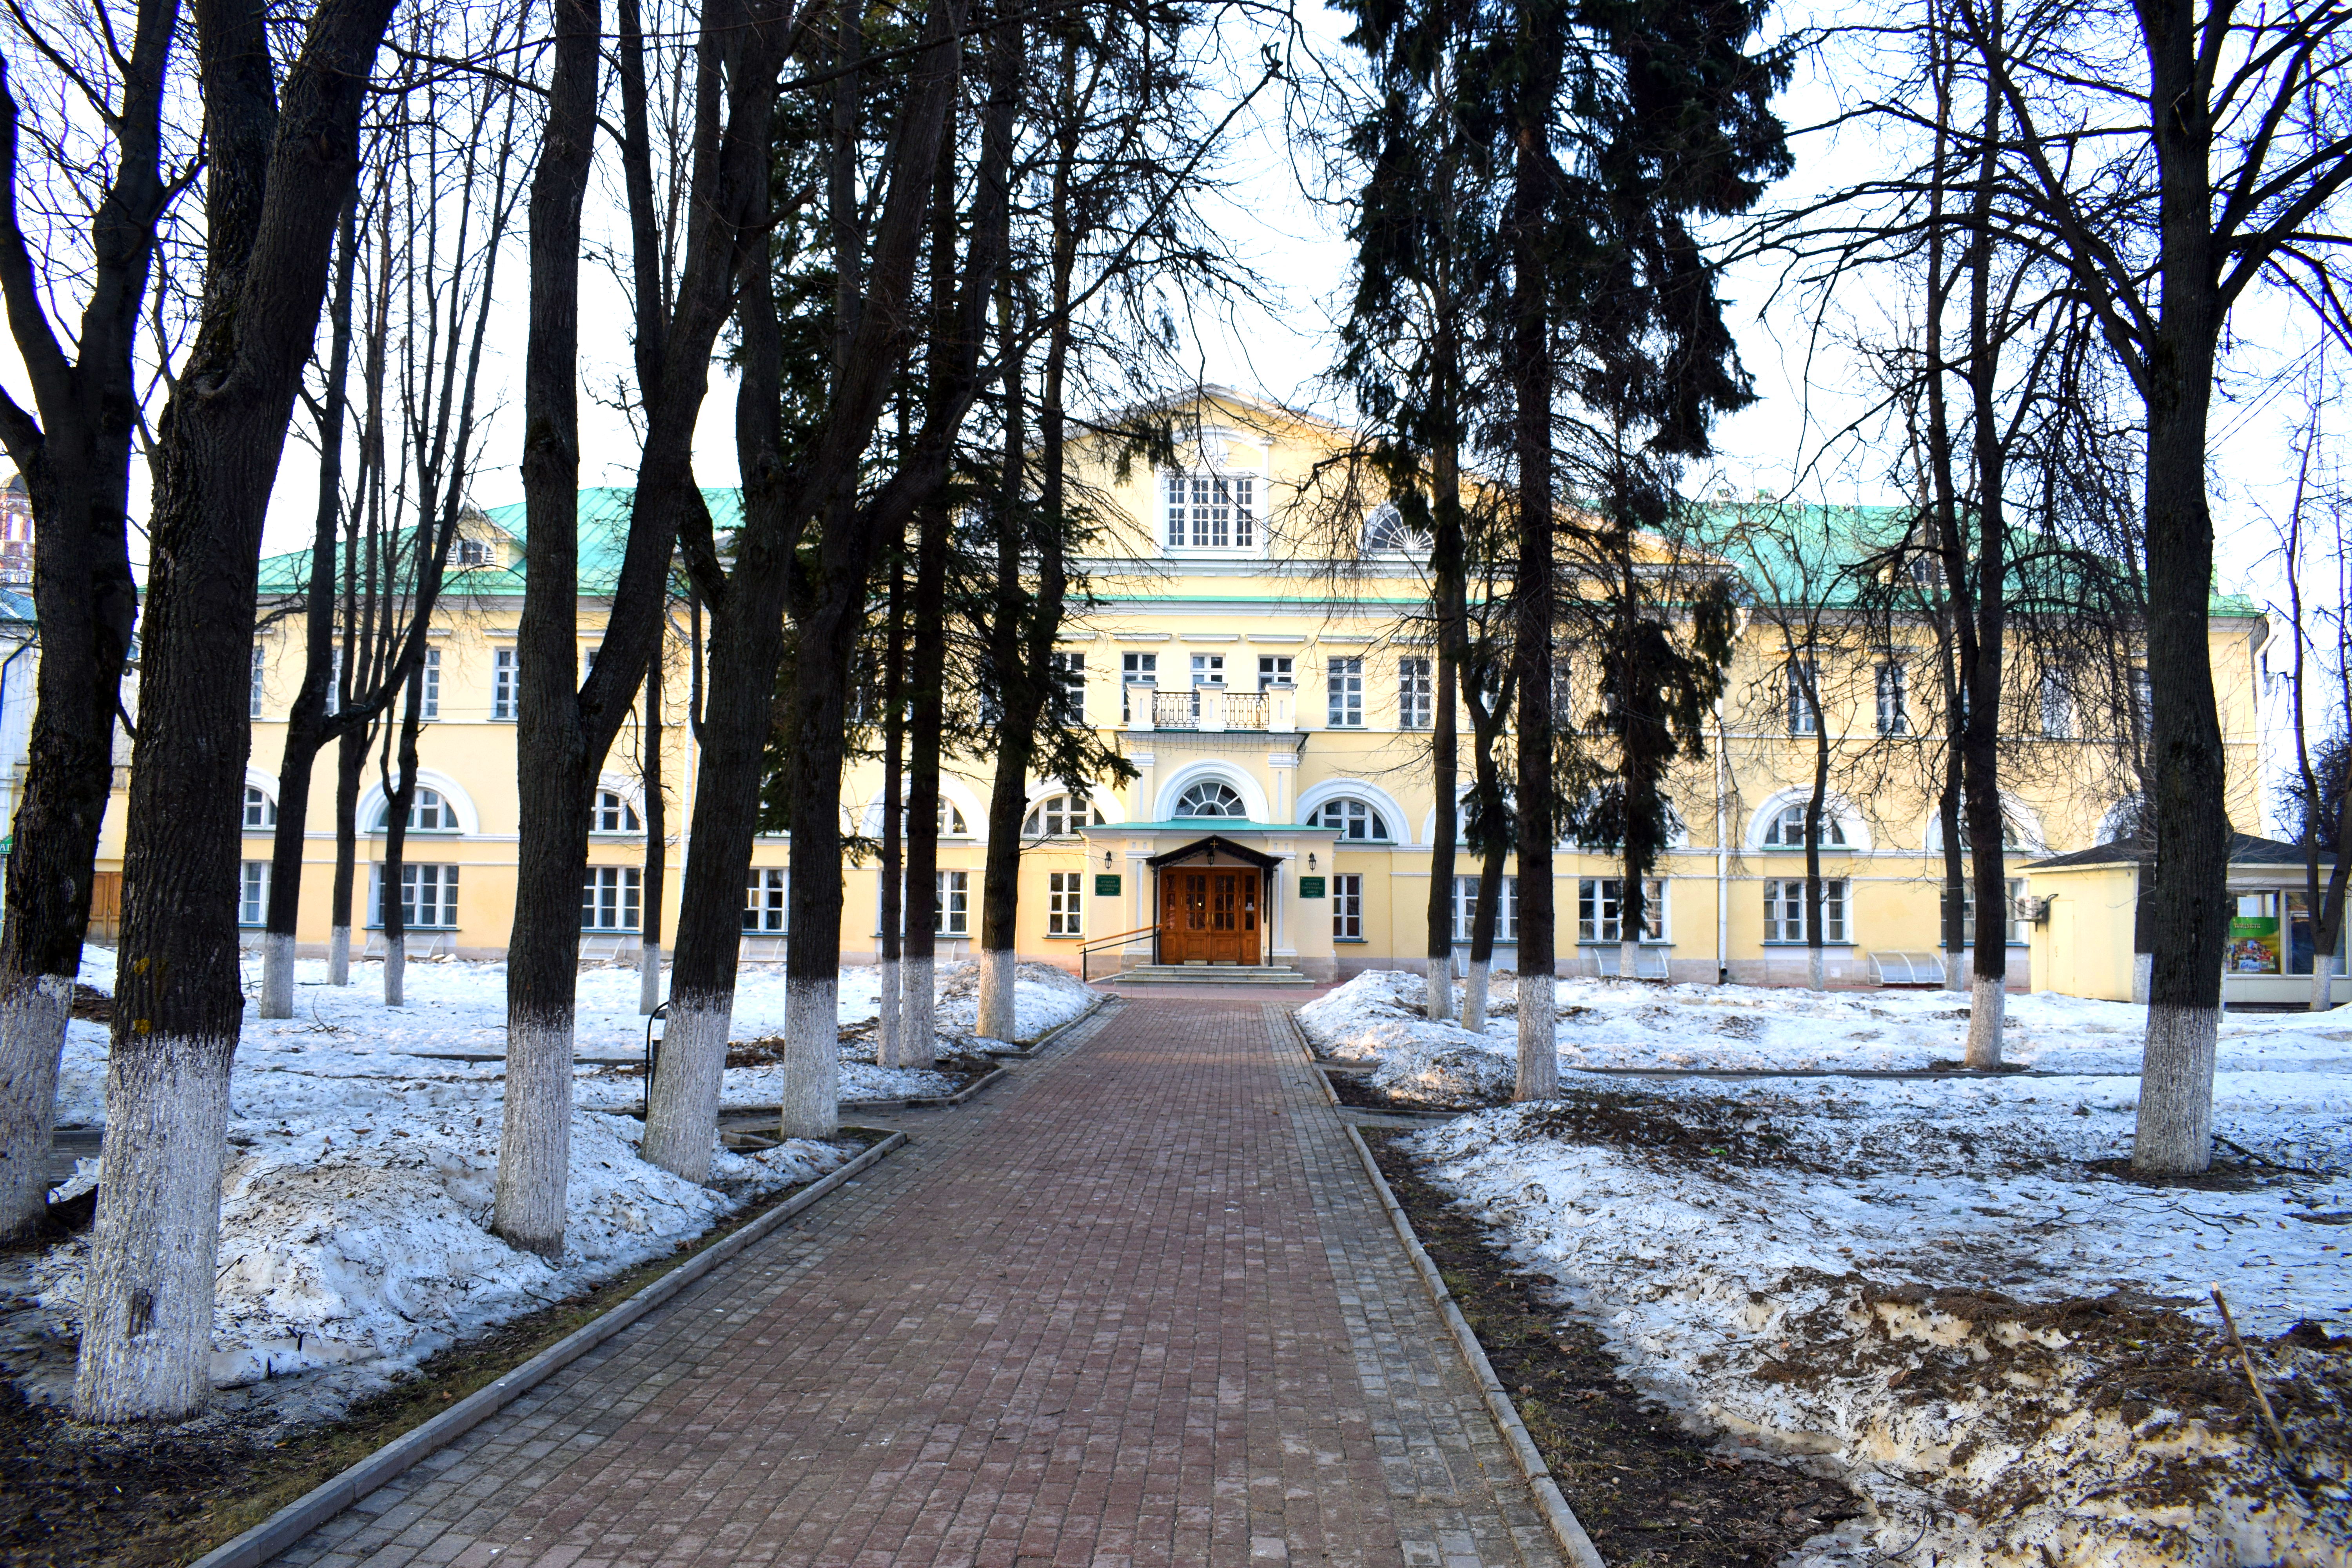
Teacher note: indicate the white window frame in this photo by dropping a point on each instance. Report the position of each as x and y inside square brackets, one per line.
[1067, 671]
[443, 810]
[253, 691]
[1416, 693]
[1601, 910]
[253, 892]
[766, 900]
[2013, 934]
[1210, 514]
[1343, 679]
[1202, 784]
[1787, 828]
[1065, 903]
[1894, 686]
[428, 703]
[1347, 906]
[1060, 817]
[266, 817]
[1800, 673]
[951, 915]
[1135, 669]
[2057, 705]
[612, 899]
[1355, 819]
[506, 683]
[1784, 911]
[475, 552]
[1276, 671]
[440, 882]
[1465, 909]
[335, 681]
[615, 812]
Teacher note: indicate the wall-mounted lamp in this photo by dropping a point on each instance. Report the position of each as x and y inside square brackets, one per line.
[1106, 859]
[1310, 860]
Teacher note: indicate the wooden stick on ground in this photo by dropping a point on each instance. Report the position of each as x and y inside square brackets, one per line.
[2295, 1475]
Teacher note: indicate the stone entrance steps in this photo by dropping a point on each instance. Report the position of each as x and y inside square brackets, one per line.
[1210, 974]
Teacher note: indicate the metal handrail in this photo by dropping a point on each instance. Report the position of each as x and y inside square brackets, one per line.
[1087, 948]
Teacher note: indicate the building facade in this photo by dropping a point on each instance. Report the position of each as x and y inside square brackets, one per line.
[1270, 682]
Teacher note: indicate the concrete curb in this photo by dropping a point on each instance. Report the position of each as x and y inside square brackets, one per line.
[1555, 1511]
[322, 1503]
[1023, 1053]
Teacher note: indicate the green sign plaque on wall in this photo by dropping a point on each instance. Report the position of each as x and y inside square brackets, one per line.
[1311, 886]
[1105, 887]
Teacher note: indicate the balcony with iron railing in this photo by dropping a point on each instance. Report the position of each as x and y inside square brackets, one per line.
[1210, 708]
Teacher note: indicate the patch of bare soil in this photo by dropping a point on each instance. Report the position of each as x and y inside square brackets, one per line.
[80, 1497]
[91, 1004]
[1650, 1493]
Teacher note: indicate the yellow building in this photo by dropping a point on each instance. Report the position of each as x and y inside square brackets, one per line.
[1273, 694]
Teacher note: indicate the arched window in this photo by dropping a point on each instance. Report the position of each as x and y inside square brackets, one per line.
[1059, 815]
[615, 815]
[2009, 835]
[1786, 830]
[1386, 533]
[952, 820]
[261, 810]
[428, 813]
[1210, 798]
[1355, 819]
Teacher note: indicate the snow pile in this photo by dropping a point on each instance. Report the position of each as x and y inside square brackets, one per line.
[1946, 1291]
[1043, 997]
[1379, 1018]
[356, 1202]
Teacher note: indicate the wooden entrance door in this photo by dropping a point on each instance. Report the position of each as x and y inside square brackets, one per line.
[1208, 913]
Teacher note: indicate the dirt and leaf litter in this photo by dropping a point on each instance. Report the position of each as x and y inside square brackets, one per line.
[1945, 1293]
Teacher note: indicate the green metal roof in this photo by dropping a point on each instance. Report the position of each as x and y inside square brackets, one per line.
[604, 523]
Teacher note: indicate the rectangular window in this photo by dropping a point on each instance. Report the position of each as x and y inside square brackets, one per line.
[1135, 669]
[335, 681]
[1344, 678]
[763, 900]
[1347, 906]
[1599, 908]
[1563, 689]
[1784, 909]
[2143, 701]
[1208, 670]
[954, 916]
[1068, 673]
[505, 690]
[429, 898]
[608, 898]
[2014, 932]
[1804, 687]
[1212, 512]
[1465, 909]
[1893, 708]
[252, 692]
[1416, 694]
[1064, 913]
[428, 701]
[253, 892]
[1274, 669]
[2057, 705]
[473, 552]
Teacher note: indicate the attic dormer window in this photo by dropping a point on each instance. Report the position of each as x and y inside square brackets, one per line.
[1212, 512]
[473, 552]
[1386, 534]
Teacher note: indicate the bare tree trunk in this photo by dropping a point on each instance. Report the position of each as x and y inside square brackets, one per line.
[1447, 571]
[351, 756]
[76, 465]
[657, 820]
[400, 798]
[277, 182]
[1815, 804]
[926, 691]
[1019, 699]
[1531, 388]
[554, 775]
[1981, 746]
[888, 1046]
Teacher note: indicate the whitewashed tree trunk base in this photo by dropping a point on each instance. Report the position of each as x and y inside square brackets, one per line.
[996, 1015]
[1956, 977]
[886, 1025]
[1474, 998]
[339, 956]
[682, 1101]
[1441, 990]
[812, 1096]
[2323, 981]
[1815, 963]
[1629, 961]
[2174, 1135]
[648, 978]
[32, 1039]
[535, 1137]
[147, 1299]
[2143, 976]
[918, 1019]
[1538, 1049]
[395, 971]
[1987, 1007]
[276, 976]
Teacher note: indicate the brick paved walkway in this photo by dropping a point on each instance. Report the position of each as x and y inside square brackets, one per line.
[1137, 1305]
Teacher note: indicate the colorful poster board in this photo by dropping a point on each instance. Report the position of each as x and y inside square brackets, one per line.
[2254, 946]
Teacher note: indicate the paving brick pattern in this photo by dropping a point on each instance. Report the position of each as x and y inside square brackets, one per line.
[1137, 1306]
